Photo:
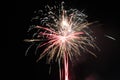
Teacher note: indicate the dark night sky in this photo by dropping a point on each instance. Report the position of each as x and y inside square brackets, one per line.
[106, 66]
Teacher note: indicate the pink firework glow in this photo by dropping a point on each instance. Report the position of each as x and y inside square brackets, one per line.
[66, 66]
[64, 33]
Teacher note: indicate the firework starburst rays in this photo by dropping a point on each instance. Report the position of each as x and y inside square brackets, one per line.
[64, 33]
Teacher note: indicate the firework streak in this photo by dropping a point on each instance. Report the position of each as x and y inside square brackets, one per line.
[64, 33]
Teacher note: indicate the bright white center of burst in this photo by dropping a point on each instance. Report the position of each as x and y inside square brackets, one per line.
[64, 23]
[65, 30]
[65, 26]
[62, 39]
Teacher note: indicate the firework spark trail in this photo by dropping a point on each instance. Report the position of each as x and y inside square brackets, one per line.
[66, 67]
[67, 34]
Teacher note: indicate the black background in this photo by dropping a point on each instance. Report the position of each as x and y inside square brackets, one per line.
[106, 66]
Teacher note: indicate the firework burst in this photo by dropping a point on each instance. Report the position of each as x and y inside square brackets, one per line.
[64, 33]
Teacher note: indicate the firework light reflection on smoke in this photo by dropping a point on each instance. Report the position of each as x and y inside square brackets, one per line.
[66, 34]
